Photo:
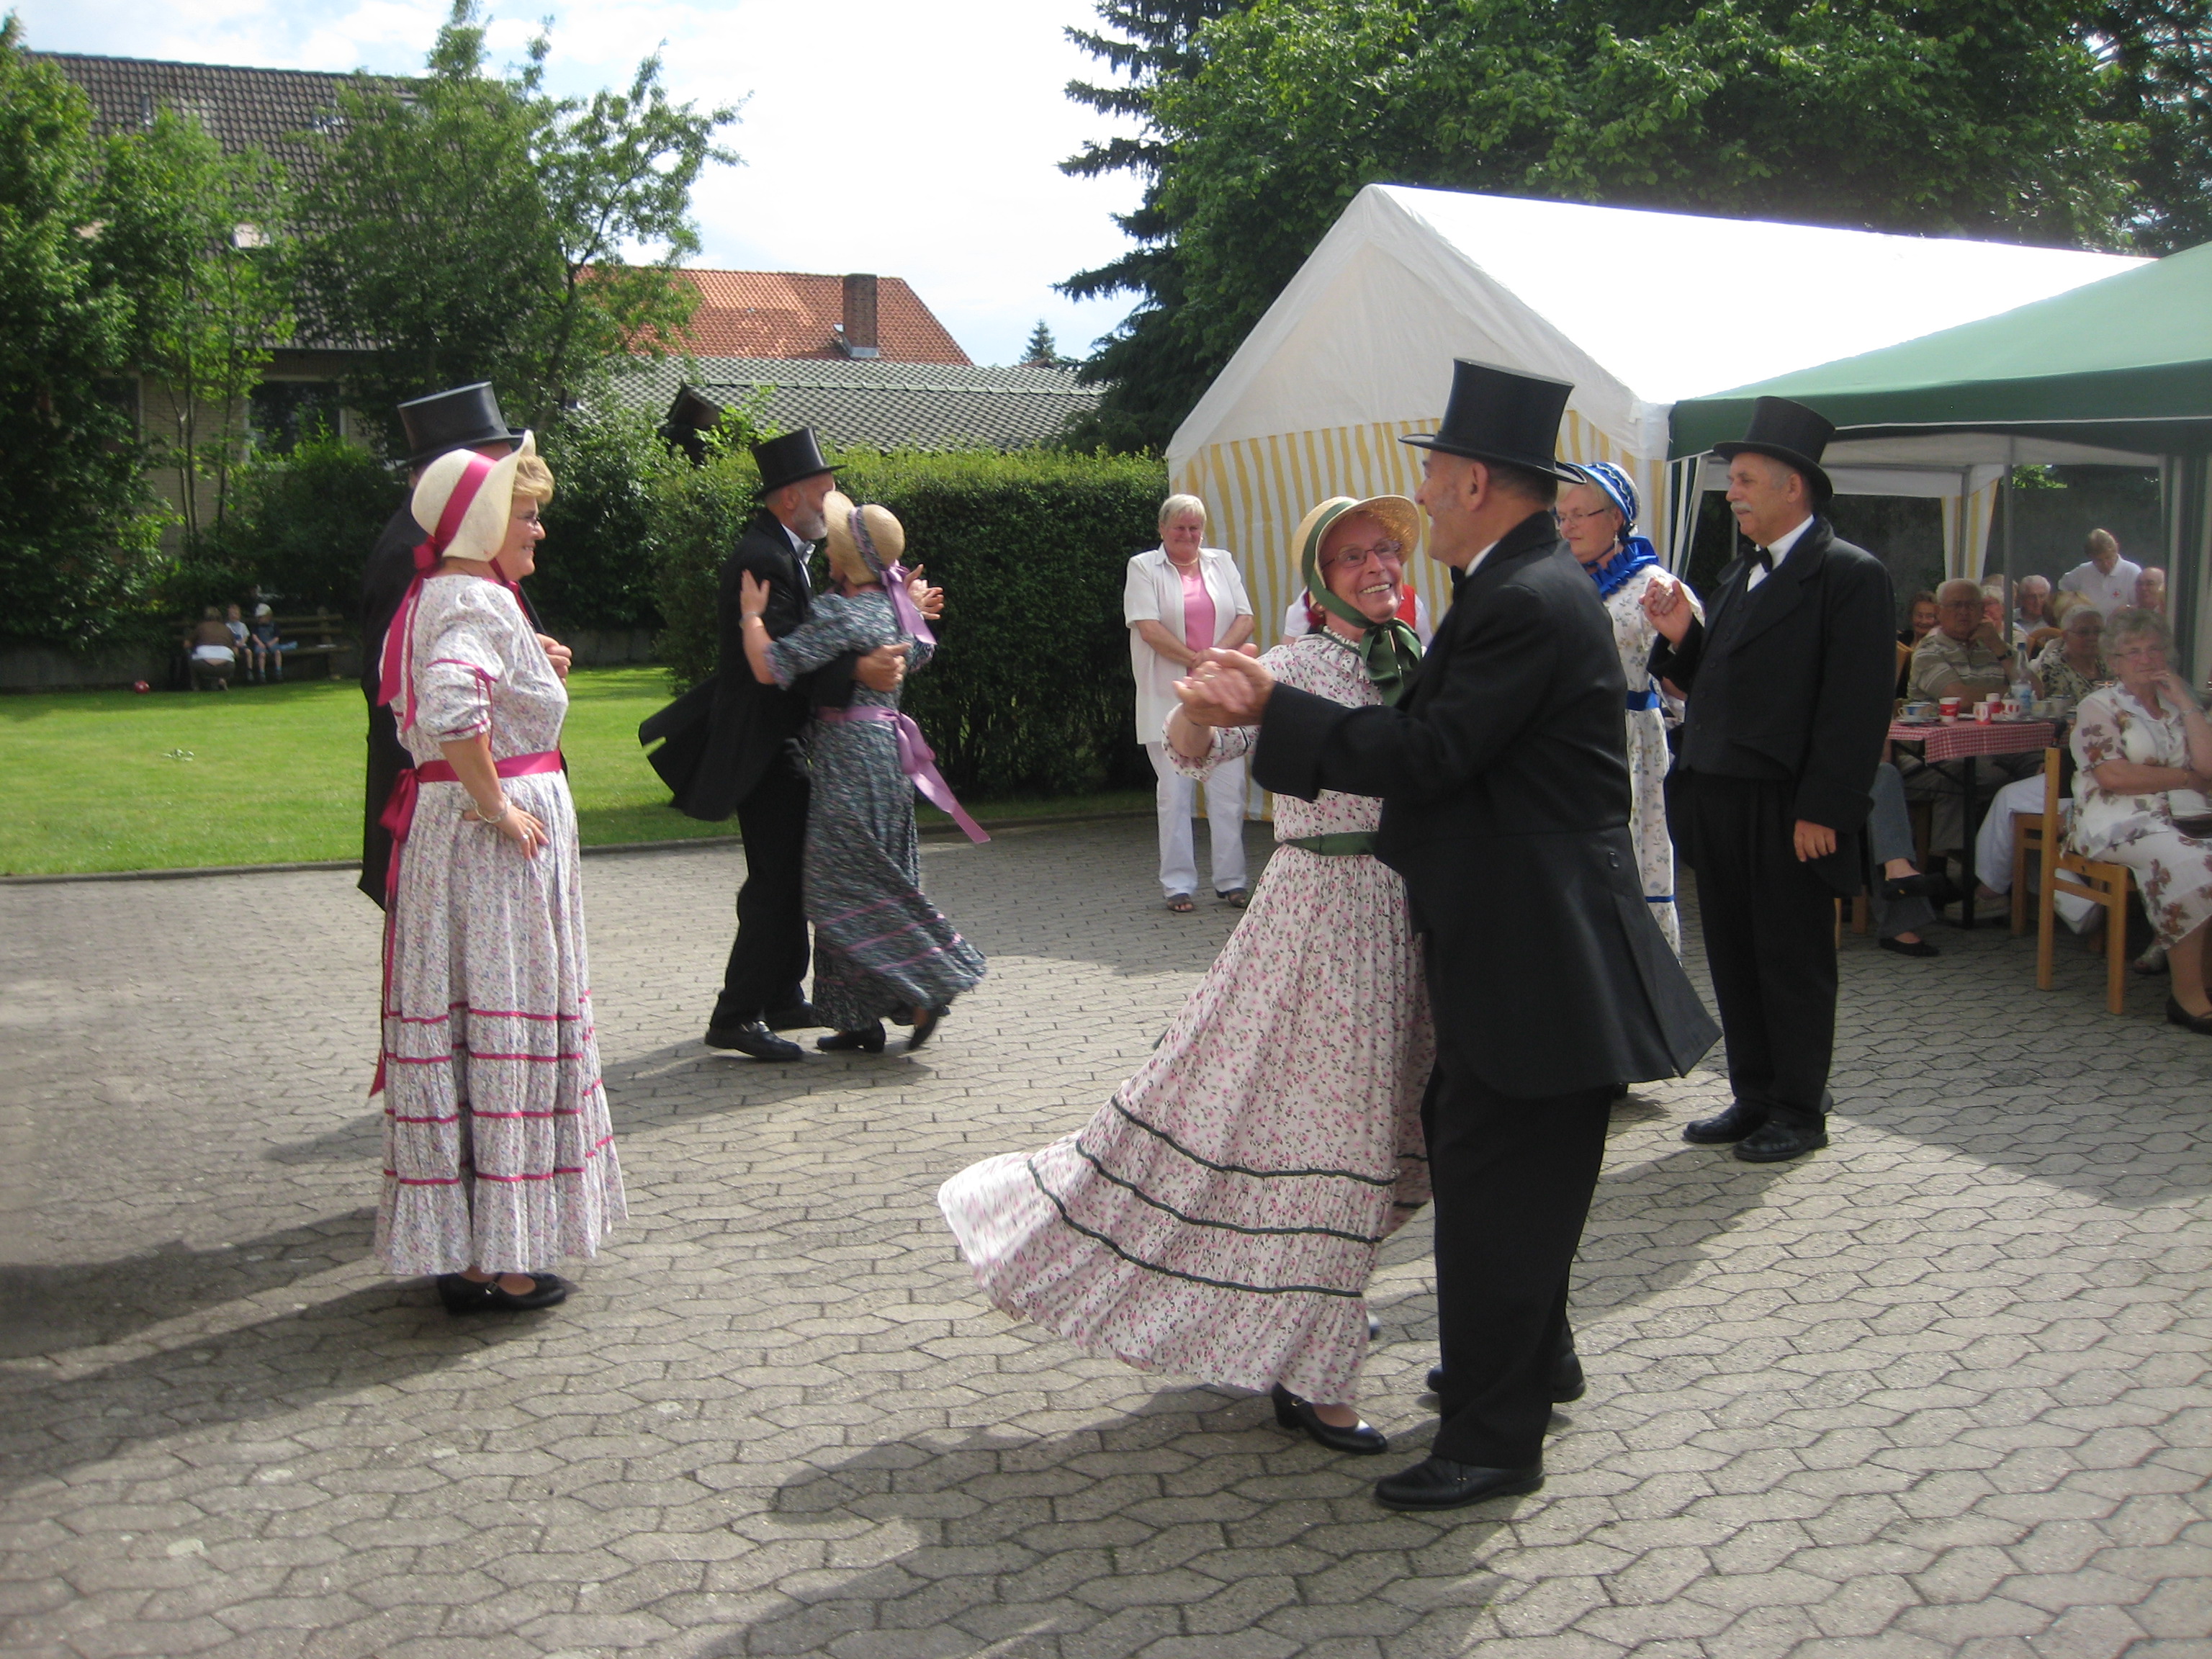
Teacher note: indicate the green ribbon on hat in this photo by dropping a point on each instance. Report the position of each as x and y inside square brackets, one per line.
[1388, 650]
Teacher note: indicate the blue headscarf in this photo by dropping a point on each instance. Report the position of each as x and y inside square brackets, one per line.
[1632, 553]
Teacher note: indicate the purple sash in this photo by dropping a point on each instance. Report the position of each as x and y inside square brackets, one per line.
[916, 759]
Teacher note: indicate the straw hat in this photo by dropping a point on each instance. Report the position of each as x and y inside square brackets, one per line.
[885, 534]
[1396, 514]
[483, 528]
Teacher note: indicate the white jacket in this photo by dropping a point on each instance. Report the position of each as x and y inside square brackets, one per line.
[1153, 593]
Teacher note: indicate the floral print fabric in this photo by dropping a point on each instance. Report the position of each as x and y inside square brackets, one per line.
[2173, 870]
[498, 1146]
[1649, 757]
[1219, 1216]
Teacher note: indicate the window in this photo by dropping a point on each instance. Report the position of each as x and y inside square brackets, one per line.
[285, 412]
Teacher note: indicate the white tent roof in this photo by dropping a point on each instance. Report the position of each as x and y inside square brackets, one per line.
[1637, 309]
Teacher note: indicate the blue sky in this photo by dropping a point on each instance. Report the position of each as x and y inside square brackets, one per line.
[876, 135]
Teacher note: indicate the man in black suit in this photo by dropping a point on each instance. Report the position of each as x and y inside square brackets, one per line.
[1505, 802]
[466, 417]
[731, 747]
[1790, 679]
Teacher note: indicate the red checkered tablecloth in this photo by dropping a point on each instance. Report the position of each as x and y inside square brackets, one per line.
[1974, 737]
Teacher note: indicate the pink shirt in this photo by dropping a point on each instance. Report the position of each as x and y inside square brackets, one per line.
[1197, 609]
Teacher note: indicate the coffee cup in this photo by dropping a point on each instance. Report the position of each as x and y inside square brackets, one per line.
[1949, 709]
[1922, 710]
[1983, 712]
[2009, 709]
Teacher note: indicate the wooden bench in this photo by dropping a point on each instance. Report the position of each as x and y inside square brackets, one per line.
[313, 634]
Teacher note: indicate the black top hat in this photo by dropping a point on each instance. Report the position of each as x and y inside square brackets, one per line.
[692, 414]
[1791, 433]
[1499, 415]
[464, 418]
[788, 460]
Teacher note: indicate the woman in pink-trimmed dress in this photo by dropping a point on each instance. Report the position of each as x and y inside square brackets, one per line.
[1220, 1215]
[498, 1150]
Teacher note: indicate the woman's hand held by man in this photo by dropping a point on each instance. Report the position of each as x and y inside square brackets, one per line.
[1225, 688]
[1666, 602]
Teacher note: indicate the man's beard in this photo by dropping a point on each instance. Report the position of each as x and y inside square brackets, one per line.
[811, 525]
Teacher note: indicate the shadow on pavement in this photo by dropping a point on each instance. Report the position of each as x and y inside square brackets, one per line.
[1041, 1534]
[369, 1338]
[46, 1309]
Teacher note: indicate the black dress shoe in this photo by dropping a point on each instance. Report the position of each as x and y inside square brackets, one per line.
[1739, 1121]
[797, 1018]
[1293, 1413]
[868, 1039]
[2177, 1015]
[753, 1038]
[463, 1294]
[1918, 947]
[1777, 1142]
[1437, 1483]
[1568, 1382]
[925, 1027]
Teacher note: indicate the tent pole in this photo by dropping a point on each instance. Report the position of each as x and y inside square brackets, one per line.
[2012, 501]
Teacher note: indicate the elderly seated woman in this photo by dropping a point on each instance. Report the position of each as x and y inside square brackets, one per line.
[2145, 753]
[2072, 665]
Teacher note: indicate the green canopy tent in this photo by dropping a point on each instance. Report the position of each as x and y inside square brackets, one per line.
[2118, 372]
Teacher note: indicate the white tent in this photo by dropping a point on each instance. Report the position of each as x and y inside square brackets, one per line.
[1637, 309]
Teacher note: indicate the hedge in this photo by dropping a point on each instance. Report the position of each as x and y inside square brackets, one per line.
[1030, 690]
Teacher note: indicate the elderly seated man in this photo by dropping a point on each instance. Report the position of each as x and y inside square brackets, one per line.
[1967, 657]
[2034, 610]
[2151, 589]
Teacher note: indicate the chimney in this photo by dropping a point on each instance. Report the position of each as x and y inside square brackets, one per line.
[858, 338]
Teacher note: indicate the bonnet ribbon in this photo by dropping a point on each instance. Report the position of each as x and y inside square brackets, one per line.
[396, 677]
[916, 759]
[1389, 649]
[895, 578]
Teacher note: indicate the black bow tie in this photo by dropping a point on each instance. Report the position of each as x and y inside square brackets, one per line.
[1763, 559]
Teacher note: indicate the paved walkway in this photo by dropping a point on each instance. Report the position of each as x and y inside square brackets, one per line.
[1939, 1391]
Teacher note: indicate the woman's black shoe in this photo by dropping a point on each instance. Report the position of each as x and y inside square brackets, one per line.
[1293, 1413]
[2177, 1015]
[924, 1025]
[463, 1294]
[1938, 889]
[1918, 947]
[868, 1039]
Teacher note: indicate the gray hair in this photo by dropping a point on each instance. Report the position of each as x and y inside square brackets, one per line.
[1958, 588]
[2122, 626]
[2081, 614]
[1176, 505]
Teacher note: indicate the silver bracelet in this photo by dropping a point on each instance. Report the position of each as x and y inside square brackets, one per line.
[504, 806]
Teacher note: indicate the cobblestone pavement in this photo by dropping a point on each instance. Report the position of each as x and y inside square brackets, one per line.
[1938, 1390]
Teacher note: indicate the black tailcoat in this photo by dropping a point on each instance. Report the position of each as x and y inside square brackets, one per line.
[1793, 682]
[723, 734]
[1503, 776]
[384, 582]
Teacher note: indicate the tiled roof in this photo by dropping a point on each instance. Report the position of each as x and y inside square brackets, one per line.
[792, 314]
[882, 405]
[241, 108]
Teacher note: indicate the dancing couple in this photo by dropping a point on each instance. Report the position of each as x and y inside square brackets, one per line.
[1453, 837]
[800, 734]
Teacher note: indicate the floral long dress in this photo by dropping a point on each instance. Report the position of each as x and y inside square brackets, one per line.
[881, 948]
[2174, 870]
[1219, 1216]
[499, 1149]
[1649, 757]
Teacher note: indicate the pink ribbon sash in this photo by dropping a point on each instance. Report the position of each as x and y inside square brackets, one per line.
[399, 816]
[916, 759]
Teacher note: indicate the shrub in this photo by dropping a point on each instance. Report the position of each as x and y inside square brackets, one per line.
[598, 568]
[300, 525]
[1031, 689]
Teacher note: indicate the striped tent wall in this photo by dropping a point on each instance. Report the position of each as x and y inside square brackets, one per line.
[1966, 519]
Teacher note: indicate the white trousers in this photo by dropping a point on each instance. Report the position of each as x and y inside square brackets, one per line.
[1224, 817]
[1993, 845]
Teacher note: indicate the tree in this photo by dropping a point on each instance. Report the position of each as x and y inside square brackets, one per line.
[467, 227]
[2159, 56]
[1042, 351]
[76, 533]
[1976, 117]
[191, 237]
[1150, 376]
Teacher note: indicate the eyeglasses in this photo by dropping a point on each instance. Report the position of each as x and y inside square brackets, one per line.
[1349, 558]
[2137, 653]
[1585, 517]
[530, 517]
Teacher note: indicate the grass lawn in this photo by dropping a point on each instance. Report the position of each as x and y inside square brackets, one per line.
[272, 774]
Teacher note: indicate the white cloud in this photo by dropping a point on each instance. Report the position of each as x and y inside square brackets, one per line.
[877, 135]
